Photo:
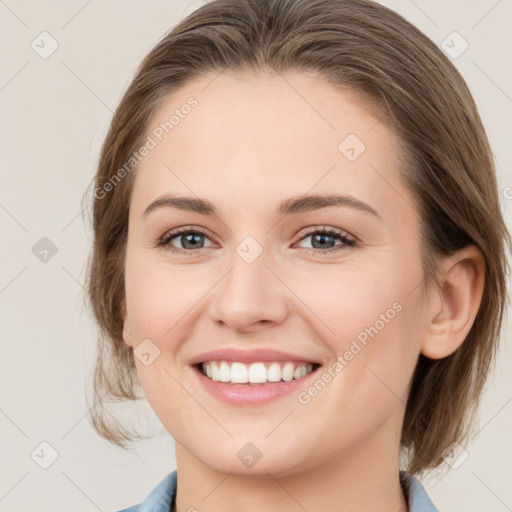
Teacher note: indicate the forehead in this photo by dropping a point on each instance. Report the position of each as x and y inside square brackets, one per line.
[264, 137]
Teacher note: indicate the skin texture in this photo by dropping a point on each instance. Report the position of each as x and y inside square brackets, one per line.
[250, 143]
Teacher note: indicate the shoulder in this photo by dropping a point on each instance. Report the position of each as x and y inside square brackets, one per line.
[418, 498]
[160, 498]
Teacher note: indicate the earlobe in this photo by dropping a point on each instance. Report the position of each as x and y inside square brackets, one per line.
[462, 280]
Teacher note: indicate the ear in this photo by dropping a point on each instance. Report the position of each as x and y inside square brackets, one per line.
[127, 332]
[452, 312]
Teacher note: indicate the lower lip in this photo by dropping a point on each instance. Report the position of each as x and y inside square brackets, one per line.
[251, 394]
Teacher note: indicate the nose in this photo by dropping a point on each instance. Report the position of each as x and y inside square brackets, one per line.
[251, 296]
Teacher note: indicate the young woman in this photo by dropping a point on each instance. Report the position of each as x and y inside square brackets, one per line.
[299, 256]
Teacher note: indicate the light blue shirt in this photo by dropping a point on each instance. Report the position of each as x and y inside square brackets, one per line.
[164, 494]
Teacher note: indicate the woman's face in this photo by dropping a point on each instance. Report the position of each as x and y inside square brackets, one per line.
[262, 276]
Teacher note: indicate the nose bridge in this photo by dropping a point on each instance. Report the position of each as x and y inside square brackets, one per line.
[249, 268]
[250, 293]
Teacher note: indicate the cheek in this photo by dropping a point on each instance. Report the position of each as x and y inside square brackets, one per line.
[347, 298]
[371, 321]
[160, 302]
[159, 295]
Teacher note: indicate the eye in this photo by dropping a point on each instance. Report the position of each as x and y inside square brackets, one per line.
[189, 238]
[322, 241]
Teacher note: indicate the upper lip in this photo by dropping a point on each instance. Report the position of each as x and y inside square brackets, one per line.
[249, 356]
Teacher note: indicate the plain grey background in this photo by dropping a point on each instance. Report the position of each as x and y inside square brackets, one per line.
[57, 94]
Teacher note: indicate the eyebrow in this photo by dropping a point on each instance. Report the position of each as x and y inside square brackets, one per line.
[294, 205]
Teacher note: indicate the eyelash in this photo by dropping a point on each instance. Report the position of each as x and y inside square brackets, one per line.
[346, 241]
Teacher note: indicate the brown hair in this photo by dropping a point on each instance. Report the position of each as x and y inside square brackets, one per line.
[373, 51]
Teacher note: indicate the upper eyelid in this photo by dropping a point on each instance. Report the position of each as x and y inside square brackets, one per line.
[310, 230]
[173, 233]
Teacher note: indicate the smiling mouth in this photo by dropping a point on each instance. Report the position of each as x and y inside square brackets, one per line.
[257, 373]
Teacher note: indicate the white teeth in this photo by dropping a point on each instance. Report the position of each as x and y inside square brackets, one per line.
[224, 372]
[287, 372]
[255, 373]
[239, 373]
[274, 373]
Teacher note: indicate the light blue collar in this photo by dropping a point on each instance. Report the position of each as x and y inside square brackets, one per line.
[164, 494]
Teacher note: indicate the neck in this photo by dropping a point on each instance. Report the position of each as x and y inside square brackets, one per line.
[364, 477]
